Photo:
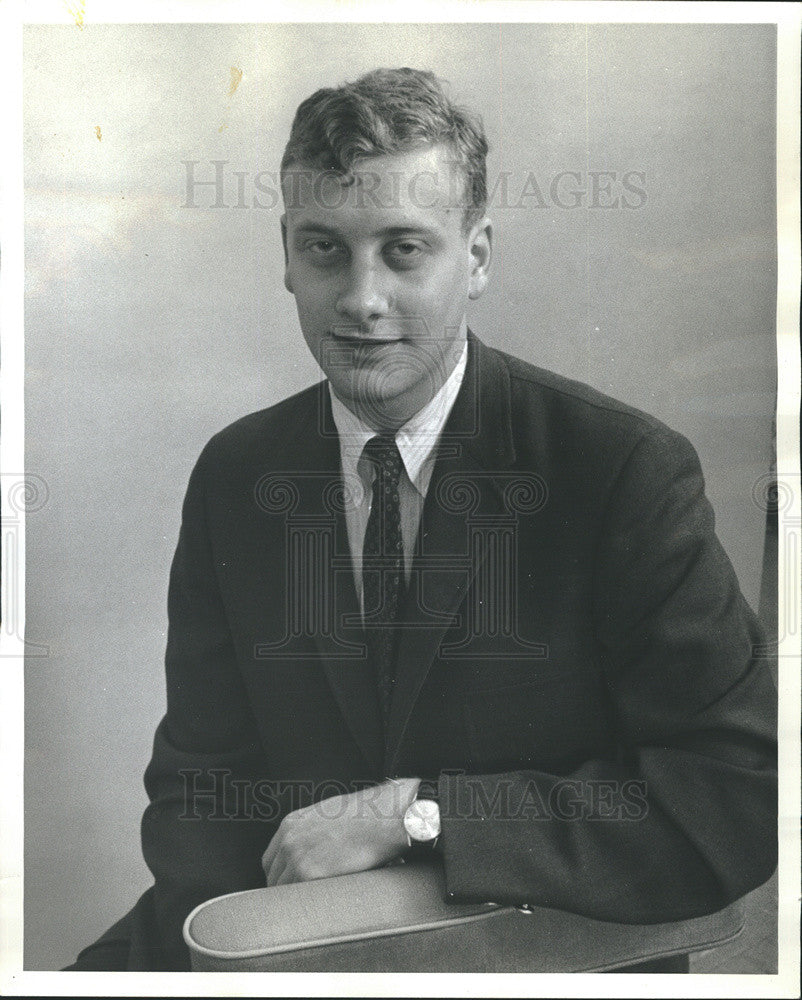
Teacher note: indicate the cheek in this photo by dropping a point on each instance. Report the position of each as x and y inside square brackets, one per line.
[441, 298]
[453, 280]
[310, 297]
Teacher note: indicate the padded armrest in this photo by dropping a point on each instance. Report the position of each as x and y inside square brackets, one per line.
[396, 919]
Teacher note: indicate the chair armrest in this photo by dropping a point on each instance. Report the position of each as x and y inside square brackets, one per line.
[396, 919]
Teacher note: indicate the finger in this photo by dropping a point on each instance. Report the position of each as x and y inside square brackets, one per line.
[273, 849]
[288, 875]
[273, 872]
[280, 863]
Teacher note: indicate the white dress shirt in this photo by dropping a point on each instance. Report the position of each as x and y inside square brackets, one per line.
[417, 442]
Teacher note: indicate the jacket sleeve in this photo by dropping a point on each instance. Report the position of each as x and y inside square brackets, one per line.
[683, 821]
[197, 836]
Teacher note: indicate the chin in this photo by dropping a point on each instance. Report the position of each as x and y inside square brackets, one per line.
[375, 394]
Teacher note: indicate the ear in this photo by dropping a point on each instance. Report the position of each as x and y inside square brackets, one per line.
[287, 283]
[480, 242]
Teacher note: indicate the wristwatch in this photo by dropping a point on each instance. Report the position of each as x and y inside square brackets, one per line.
[422, 820]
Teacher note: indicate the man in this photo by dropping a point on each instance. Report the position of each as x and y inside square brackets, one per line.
[444, 566]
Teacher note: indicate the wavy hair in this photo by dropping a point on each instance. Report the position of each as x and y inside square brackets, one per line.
[385, 112]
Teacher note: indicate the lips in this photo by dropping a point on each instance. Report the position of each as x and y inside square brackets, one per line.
[373, 350]
[362, 350]
[363, 341]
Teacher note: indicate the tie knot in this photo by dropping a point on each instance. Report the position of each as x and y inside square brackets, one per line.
[382, 452]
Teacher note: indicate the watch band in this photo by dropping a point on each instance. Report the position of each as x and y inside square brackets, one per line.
[428, 789]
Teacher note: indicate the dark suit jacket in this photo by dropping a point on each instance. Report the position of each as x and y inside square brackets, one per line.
[575, 664]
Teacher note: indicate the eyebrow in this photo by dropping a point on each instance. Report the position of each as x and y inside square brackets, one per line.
[313, 227]
[390, 231]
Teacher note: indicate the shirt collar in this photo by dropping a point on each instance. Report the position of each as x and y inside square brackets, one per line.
[416, 439]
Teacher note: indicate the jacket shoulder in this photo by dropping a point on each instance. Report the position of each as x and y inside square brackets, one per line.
[569, 394]
[569, 412]
[268, 435]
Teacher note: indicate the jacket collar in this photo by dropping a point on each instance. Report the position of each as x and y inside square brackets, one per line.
[480, 422]
[476, 445]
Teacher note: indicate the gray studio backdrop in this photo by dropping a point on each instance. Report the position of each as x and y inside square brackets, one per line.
[633, 169]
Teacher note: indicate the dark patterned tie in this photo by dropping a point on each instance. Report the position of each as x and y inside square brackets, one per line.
[383, 563]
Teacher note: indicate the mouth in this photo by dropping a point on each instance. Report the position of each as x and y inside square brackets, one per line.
[361, 354]
[364, 345]
[363, 340]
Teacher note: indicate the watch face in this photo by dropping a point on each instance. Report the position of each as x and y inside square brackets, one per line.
[422, 820]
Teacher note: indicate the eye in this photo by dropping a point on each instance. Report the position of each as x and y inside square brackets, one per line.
[322, 252]
[323, 248]
[405, 252]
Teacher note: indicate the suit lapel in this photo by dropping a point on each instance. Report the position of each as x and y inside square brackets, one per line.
[338, 636]
[476, 443]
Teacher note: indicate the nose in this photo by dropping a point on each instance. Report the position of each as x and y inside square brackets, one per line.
[363, 300]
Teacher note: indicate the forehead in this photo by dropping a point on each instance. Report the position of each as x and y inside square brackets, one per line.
[420, 188]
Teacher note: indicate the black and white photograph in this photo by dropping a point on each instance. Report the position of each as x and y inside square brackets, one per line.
[401, 500]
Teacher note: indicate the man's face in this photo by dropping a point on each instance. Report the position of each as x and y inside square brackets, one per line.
[382, 269]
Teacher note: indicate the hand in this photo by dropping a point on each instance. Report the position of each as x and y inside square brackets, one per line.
[341, 834]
